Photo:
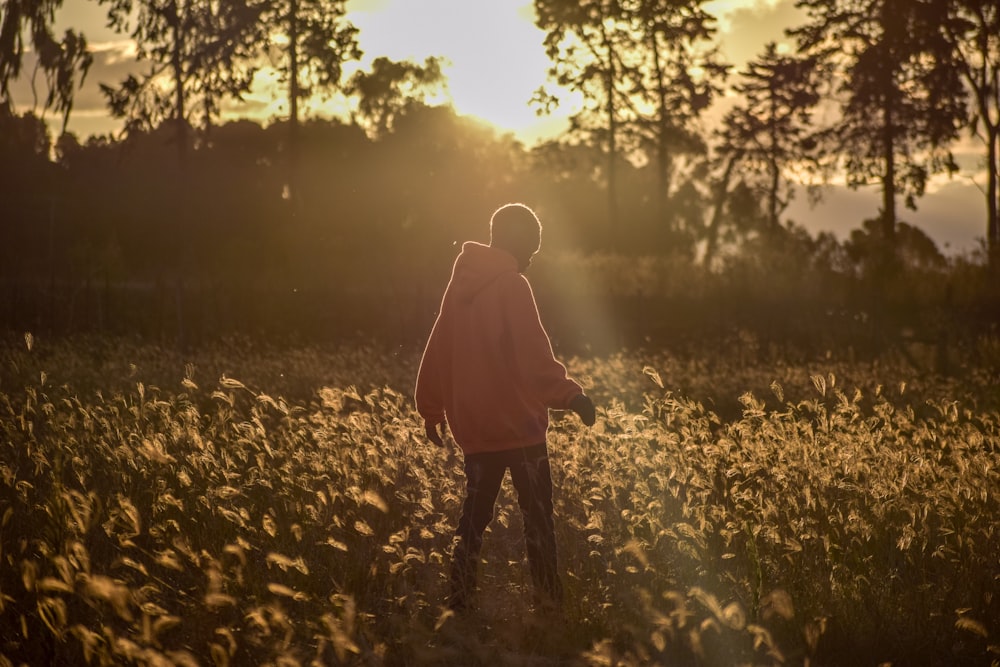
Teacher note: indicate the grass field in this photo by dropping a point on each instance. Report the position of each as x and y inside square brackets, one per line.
[248, 505]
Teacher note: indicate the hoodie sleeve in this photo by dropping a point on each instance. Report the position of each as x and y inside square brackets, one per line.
[533, 354]
[429, 394]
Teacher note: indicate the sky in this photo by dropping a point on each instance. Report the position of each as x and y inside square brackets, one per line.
[496, 60]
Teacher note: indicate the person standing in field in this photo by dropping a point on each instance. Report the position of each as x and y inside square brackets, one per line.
[489, 373]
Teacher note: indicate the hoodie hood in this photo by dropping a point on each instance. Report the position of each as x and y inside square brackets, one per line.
[477, 267]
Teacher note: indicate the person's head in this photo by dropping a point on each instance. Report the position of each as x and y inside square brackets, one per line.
[516, 229]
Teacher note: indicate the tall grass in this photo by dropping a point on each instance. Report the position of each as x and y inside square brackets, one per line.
[160, 510]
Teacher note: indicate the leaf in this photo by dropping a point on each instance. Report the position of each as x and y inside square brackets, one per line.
[734, 616]
[53, 614]
[152, 609]
[778, 602]
[442, 619]
[135, 565]
[971, 625]
[284, 562]
[270, 526]
[89, 639]
[227, 634]
[165, 623]
[182, 659]
[230, 383]
[779, 393]
[375, 500]
[213, 600]
[220, 657]
[105, 588]
[653, 375]
[53, 584]
[336, 544]
[285, 591]
[168, 558]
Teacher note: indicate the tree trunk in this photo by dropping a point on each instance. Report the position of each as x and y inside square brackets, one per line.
[662, 148]
[980, 73]
[992, 196]
[889, 179]
[772, 194]
[612, 151]
[720, 201]
[887, 240]
[178, 68]
[293, 98]
[612, 135]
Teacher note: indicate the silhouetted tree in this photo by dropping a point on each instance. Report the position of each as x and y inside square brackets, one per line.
[972, 27]
[719, 200]
[28, 188]
[199, 47]
[586, 42]
[646, 70]
[389, 88]
[899, 96]
[677, 74]
[916, 250]
[770, 132]
[308, 41]
[61, 60]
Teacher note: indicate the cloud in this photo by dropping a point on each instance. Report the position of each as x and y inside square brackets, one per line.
[745, 29]
[118, 51]
[370, 6]
[954, 216]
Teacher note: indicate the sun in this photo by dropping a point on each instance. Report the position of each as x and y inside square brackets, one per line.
[494, 55]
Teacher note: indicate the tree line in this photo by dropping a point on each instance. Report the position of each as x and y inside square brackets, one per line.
[903, 77]
[366, 210]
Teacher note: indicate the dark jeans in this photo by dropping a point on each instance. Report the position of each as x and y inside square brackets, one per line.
[530, 473]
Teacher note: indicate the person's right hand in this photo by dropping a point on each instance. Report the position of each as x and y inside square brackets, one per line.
[433, 434]
[584, 407]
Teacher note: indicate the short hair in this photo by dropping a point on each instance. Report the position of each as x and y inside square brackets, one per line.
[514, 223]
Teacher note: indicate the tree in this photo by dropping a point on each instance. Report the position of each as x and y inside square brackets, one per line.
[770, 133]
[28, 185]
[60, 60]
[196, 49]
[390, 88]
[309, 42]
[972, 27]
[899, 98]
[585, 40]
[646, 70]
[677, 73]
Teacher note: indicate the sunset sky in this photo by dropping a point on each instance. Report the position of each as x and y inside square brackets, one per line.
[496, 60]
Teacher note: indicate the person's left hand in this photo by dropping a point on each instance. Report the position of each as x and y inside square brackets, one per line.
[433, 434]
[584, 407]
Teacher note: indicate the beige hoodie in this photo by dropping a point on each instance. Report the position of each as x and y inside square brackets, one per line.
[488, 368]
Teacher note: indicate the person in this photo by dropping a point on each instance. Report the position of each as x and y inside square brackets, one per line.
[488, 372]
